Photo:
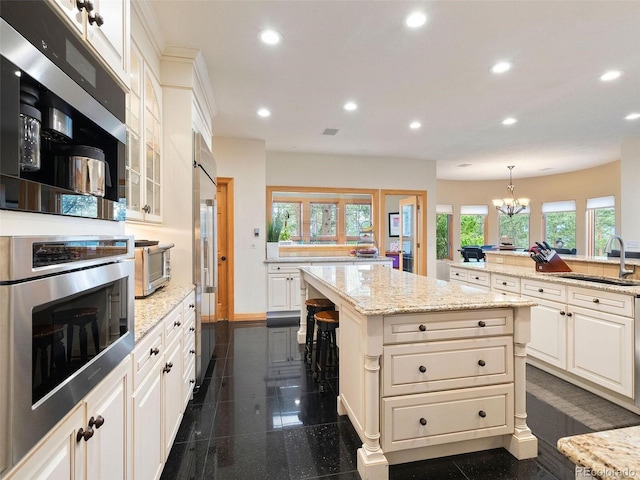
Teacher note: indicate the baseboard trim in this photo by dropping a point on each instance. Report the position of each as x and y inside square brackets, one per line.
[249, 317]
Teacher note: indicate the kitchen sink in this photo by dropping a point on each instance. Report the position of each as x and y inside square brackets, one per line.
[606, 280]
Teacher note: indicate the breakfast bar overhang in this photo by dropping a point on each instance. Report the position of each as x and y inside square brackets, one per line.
[427, 368]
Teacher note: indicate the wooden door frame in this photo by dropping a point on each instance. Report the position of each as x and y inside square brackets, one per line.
[421, 196]
[228, 183]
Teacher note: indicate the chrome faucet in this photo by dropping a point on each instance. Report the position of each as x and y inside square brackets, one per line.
[623, 272]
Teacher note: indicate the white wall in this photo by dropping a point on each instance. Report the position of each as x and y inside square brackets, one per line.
[630, 193]
[244, 161]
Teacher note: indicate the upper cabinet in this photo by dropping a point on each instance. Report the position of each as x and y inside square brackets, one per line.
[144, 127]
[104, 25]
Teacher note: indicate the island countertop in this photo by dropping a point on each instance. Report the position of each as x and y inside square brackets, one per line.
[377, 290]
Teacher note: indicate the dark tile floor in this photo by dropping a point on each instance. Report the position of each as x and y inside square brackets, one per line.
[259, 415]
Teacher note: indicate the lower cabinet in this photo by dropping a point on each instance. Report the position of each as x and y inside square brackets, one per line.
[93, 440]
[549, 333]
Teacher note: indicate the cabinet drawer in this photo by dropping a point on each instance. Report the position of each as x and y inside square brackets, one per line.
[428, 419]
[423, 327]
[146, 354]
[173, 324]
[546, 290]
[285, 267]
[505, 283]
[459, 274]
[433, 366]
[479, 278]
[601, 301]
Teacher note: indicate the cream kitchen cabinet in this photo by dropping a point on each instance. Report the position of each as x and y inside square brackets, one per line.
[505, 284]
[104, 25]
[283, 287]
[93, 440]
[478, 279]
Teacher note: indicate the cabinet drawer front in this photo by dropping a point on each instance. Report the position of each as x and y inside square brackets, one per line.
[457, 274]
[549, 291]
[146, 354]
[173, 324]
[505, 283]
[286, 267]
[601, 301]
[434, 418]
[434, 366]
[447, 325]
[479, 278]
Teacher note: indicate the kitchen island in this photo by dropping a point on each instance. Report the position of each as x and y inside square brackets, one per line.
[427, 368]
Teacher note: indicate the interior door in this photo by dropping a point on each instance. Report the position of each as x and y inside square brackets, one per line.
[408, 261]
[222, 308]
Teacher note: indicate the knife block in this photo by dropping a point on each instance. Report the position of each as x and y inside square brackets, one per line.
[554, 264]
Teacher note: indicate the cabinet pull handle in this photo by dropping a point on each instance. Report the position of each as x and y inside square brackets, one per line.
[154, 351]
[423, 421]
[504, 283]
[81, 4]
[192, 351]
[482, 413]
[457, 274]
[177, 324]
[98, 421]
[477, 278]
[192, 329]
[99, 21]
[191, 305]
[167, 368]
[482, 323]
[541, 290]
[84, 434]
[562, 312]
[569, 314]
[422, 328]
[422, 368]
[482, 363]
[192, 381]
[596, 300]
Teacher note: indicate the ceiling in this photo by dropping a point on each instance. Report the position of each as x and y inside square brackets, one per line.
[336, 51]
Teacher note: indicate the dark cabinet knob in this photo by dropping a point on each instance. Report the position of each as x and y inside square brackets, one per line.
[504, 283]
[177, 324]
[596, 300]
[482, 363]
[154, 351]
[97, 422]
[224, 259]
[562, 312]
[482, 323]
[82, 4]
[569, 314]
[482, 413]
[192, 351]
[423, 421]
[541, 290]
[84, 434]
[167, 367]
[422, 368]
[192, 329]
[477, 278]
[191, 305]
[422, 328]
[99, 21]
[192, 381]
[146, 209]
[457, 274]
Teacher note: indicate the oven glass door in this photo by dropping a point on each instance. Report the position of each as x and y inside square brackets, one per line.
[156, 265]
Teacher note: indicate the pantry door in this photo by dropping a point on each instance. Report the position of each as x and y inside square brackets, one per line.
[409, 254]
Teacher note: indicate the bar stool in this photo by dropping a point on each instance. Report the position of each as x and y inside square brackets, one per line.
[45, 336]
[314, 305]
[79, 317]
[326, 345]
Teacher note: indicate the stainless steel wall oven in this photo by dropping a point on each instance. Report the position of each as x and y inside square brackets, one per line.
[66, 320]
[62, 119]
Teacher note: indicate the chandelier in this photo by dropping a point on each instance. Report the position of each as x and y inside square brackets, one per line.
[510, 205]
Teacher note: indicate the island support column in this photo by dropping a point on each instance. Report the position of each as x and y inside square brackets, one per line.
[302, 331]
[522, 444]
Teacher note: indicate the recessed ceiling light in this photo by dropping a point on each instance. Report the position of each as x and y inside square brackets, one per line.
[415, 125]
[509, 121]
[270, 37]
[610, 75]
[501, 67]
[463, 165]
[350, 106]
[632, 116]
[263, 112]
[415, 20]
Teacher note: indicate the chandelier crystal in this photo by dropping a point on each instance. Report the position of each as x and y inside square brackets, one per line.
[510, 205]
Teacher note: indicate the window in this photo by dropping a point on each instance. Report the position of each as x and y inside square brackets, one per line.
[560, 223]
[601, 223]
[473, 225]
[514, 229]
[316, 215]
[444, 217]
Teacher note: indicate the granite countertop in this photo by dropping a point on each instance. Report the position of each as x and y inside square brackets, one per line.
[150, 310]
[608, 455]
[343, 258]
[378, 290]
[529, 272]
[573, 258]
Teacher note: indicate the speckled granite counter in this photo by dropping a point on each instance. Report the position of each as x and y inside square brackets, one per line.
[529, 272]
[608, 455]
[343, 258]
[150, 310]
[376, 290]
[573, 258]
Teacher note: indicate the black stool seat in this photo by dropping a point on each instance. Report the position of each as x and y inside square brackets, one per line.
[314, 305]
[326, 345]
[45, 336]
[80, 317]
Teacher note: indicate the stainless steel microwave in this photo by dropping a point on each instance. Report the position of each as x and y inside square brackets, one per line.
[153, 267]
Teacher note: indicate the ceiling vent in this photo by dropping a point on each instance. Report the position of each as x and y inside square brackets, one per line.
[330, 131]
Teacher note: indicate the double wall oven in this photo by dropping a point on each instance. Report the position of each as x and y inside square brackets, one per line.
[66, 320]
